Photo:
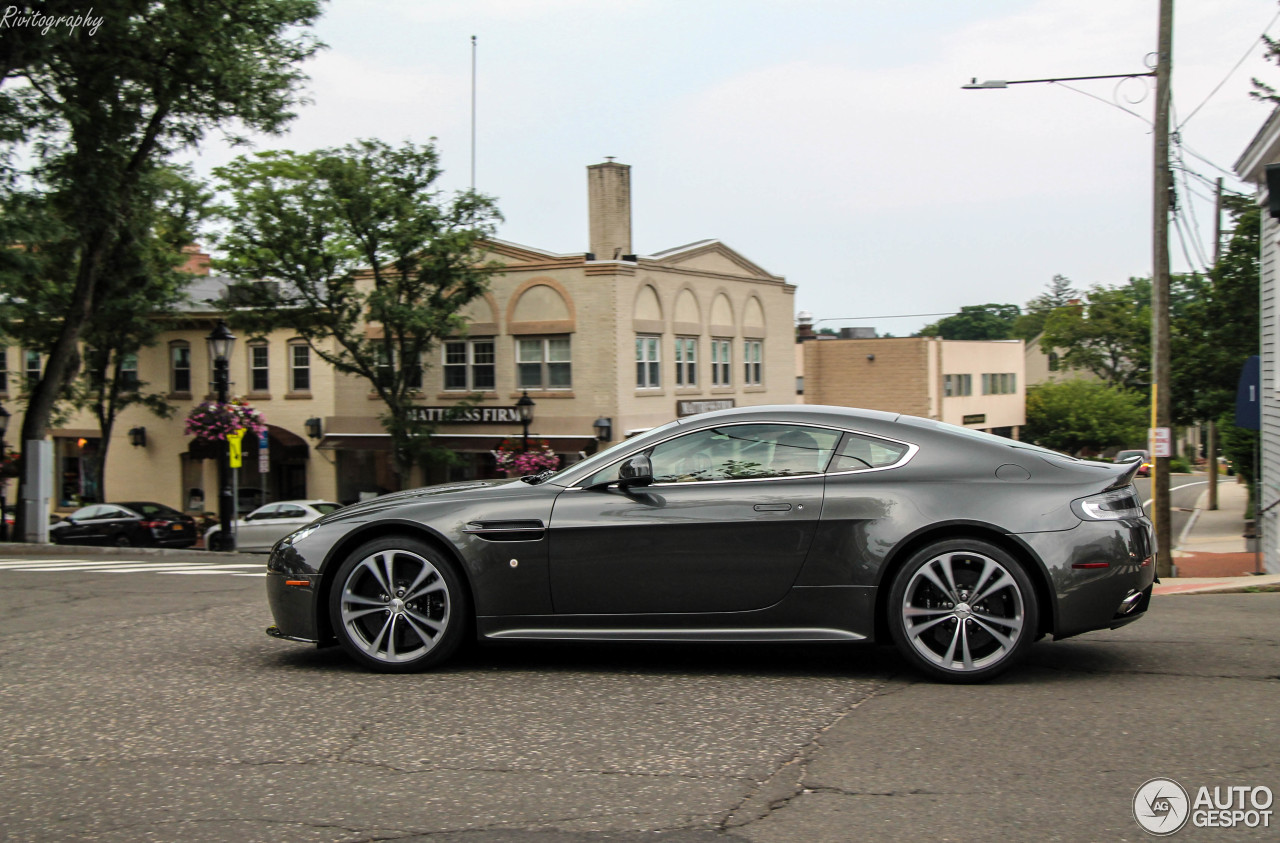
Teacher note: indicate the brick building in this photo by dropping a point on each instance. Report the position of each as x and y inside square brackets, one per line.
[605, 338]
[975, 384]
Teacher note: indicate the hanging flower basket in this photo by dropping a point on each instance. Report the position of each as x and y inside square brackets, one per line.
[9, 463]
[517, 462]
[212, 422]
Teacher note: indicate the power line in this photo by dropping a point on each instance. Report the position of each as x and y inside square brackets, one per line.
[1253, 46]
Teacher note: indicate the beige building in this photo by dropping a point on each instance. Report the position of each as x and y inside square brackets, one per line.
[604, 342]
[975, 384]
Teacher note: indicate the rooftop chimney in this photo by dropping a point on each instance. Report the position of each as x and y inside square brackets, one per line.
[609, 209]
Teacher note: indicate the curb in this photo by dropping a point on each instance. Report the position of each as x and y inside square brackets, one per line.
[65, 551]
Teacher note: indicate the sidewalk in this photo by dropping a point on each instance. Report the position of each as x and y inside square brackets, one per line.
[1210, 556]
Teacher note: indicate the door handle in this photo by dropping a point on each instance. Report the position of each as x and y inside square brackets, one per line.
[773, 507]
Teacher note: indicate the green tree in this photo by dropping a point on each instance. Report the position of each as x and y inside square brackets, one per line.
[372, 263]
[976, 322]
[1076, 414]
[1214, 323]
[146, 271]
[1060, 293]
[98, 110]
[1109, 335]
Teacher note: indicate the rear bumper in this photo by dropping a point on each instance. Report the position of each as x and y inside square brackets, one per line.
[1094, 569]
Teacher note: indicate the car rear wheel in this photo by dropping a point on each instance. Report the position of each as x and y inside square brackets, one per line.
[398, 605]
[121, 540]
[963, 610]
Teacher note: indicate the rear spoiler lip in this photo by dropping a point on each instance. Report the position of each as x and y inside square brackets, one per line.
[1124, 475]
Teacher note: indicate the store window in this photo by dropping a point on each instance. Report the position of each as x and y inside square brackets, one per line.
[180, 368]
[686, 361]
[79, 478]
[543, 363]
[469, 365]
[721, 373]
[299, 367]
[259, 371]
[752, 353]
[648, 365]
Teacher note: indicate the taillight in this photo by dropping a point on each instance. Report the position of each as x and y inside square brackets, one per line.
[1109, 506]
[155, 525]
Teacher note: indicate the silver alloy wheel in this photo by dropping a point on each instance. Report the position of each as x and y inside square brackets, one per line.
[395, 606]
[963, 611]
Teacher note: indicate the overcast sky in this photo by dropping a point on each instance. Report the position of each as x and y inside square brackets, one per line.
[828, 141]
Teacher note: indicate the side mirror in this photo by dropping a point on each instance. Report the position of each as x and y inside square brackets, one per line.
[637, 471]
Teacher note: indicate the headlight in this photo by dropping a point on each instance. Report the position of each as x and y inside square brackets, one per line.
[1109, 506]
[298, 535]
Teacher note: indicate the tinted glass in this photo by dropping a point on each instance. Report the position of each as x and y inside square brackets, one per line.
[743, 451]
[326, 508]
[858, 453]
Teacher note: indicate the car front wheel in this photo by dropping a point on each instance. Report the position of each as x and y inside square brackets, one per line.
[398, 605]
[963, 610]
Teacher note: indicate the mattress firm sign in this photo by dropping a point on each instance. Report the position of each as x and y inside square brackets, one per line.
[693, 408]
[465, 415]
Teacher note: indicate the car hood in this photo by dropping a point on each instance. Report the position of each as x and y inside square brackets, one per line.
[395, 500]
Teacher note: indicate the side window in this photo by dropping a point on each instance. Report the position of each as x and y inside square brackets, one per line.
[859, 453]
[291, 512]
[266, 513]
[745, 451]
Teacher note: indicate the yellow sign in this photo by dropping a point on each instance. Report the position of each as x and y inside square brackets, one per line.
[235, 440]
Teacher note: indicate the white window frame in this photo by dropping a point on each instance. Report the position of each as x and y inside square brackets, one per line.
[469, 365]
[255, 368]
[299, 363]
[175, 369]
[648, 361]
[549, 348]
[686, 355]
[752, 362]
[721, 362]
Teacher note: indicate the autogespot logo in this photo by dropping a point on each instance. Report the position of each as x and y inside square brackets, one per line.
[1161, 806]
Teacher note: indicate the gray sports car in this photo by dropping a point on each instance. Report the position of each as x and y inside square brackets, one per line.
[787, 523]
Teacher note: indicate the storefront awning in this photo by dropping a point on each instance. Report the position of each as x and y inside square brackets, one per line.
[282, 443]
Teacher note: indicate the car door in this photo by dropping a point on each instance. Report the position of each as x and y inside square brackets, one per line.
[81, 526]
[257, 527]
[288, 517]
[724, 527]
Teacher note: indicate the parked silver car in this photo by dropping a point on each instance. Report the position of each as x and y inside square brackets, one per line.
[260, 529]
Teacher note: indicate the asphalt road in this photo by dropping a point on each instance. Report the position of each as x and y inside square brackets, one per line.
[1184, 490]
[142, 705]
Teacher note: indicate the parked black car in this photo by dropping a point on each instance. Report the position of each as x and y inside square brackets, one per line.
[785, 523]
[135, 523]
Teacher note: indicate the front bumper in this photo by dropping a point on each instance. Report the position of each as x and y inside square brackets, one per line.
[1094, 569]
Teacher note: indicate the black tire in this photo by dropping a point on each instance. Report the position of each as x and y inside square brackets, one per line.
[121, 540]
[214, 544]
[398, 605]
[963, 610]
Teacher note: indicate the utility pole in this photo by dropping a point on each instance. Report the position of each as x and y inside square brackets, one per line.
[1211, 450]
[1161, 386]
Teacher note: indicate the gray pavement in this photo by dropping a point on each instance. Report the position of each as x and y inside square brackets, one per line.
[1218, 533]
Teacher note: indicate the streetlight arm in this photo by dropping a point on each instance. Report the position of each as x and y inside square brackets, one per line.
[975, 85]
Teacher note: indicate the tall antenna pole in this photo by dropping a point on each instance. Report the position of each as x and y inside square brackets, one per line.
[473, 114]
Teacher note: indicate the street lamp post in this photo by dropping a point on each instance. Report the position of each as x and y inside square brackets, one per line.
[4, 481]
[221, 341]
[1161, 386]
[525, 407]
